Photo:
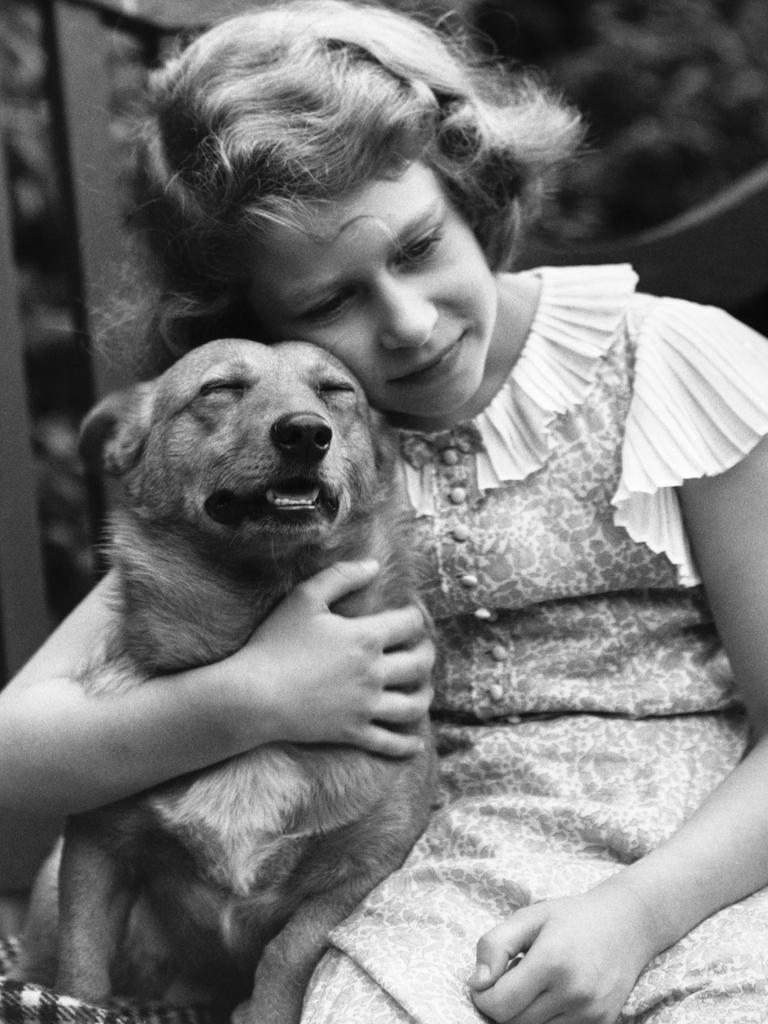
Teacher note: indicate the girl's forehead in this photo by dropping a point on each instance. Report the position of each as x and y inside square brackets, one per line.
[339, 234]
[385, 205]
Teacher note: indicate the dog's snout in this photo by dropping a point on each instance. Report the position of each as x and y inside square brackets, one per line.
[304, 434]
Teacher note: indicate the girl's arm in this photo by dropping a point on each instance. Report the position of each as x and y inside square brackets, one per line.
[305, 675]
[584, 953]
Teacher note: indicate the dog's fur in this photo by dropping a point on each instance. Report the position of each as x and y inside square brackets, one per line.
[240, 870]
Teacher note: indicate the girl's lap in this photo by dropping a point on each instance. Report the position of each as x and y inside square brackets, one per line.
[407, 953]
[718, 974]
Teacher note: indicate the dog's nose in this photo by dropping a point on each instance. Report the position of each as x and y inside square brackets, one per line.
[302, 434]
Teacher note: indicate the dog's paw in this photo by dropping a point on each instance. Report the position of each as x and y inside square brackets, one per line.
[32, 971]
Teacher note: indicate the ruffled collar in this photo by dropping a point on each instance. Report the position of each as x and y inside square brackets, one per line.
[579, 311]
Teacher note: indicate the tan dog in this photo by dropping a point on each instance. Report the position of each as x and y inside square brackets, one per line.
[245, 469]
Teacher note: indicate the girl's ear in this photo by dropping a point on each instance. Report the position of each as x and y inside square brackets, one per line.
[113, 434]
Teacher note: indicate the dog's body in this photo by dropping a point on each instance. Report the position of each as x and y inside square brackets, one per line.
[246, 469]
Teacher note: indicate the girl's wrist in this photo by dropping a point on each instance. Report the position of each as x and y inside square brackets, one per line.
[652, 928]
[231, 706]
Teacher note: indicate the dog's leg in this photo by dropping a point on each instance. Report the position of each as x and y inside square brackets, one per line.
[37, 959]
[288, 961]
[94, 901]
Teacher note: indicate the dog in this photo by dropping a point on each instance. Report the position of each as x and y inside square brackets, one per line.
[245, 468]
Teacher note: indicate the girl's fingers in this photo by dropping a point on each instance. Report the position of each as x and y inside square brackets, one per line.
[410, 670]
[335, 582]
[394, 627]
[401, 627]
[380, 740]
[503, 987]
[402, 709]
[545, 1009]
[498, 946]
[517, 996]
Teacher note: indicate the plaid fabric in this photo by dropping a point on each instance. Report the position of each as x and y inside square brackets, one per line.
[32, 1004]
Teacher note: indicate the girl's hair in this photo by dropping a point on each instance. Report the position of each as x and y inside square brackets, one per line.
[270, 113]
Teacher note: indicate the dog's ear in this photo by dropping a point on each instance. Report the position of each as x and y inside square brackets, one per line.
[113, 433]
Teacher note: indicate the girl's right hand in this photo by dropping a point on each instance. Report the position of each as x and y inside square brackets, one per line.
[322, 677]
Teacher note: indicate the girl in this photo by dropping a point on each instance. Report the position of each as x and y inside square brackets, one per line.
[590, 484]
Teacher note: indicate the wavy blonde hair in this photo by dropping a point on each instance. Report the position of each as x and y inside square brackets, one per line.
[270, 113]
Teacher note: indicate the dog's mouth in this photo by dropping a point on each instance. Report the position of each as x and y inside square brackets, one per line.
[294, 495]
[293, 500]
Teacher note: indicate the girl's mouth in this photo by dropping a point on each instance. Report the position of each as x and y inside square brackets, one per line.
[423, 374]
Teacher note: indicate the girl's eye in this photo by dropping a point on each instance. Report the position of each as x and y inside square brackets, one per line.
[419, 250]
[330, 307]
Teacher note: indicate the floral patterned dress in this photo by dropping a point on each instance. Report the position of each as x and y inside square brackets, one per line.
[584, 705]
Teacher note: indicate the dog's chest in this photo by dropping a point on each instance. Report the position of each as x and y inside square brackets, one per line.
[237, 817]
[248, 820]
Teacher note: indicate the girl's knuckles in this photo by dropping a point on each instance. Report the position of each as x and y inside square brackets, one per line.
[422, 705]
[494, 1006]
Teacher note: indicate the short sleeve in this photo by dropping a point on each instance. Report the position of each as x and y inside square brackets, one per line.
[699, 405]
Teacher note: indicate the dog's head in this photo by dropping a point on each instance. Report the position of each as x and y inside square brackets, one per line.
[243, 443]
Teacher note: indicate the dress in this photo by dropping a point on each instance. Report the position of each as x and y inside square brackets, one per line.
[584, 705]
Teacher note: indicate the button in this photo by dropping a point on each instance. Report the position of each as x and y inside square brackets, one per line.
[484, 614]
[449, 457]
[469, 580]
[498, 652]
[460, 533]
[458, 495]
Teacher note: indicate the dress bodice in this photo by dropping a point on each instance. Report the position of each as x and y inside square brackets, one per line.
[556, 562]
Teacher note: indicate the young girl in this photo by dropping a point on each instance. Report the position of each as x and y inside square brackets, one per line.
[580, 459]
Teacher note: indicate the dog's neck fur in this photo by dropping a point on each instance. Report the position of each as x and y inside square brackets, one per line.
[231, 591]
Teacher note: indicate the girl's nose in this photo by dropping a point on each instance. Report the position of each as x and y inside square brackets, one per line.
[408, 317]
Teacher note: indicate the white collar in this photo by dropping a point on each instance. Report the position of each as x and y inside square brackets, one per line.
[579, 311]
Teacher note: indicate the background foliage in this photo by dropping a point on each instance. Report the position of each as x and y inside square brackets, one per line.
[675, 93]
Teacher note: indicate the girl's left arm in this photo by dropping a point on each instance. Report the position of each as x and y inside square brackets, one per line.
[584, 953]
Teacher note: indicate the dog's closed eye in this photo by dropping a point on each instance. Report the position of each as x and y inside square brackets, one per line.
[332, 386]
[235, 385]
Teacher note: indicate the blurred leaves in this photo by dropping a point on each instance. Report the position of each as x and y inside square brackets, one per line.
[675, 93]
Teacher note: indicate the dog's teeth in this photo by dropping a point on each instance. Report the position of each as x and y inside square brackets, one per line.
[286, 500]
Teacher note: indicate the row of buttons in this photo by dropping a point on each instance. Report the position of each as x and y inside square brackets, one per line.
[460, 532]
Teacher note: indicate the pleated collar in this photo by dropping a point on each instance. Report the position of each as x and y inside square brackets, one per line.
[579, 312]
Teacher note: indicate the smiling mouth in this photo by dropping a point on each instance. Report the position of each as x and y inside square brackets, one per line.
[422, 373]
[293, 495]
[292, 500]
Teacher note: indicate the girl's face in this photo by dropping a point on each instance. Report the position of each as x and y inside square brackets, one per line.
[394, 283]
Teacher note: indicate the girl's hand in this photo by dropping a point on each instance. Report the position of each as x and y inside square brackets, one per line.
[582, 957]
[326, 678]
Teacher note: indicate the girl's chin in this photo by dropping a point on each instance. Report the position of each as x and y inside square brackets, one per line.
[441, 395]
[431, 412]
